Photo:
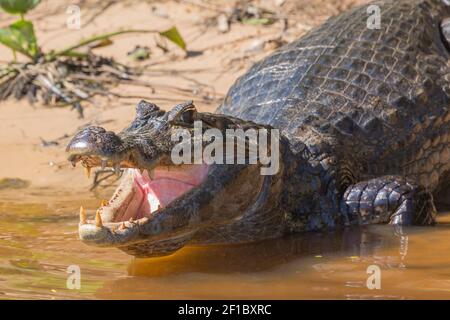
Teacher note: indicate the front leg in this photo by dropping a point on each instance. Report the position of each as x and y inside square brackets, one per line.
[388, 199]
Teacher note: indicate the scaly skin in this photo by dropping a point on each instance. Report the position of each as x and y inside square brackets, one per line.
[364, 119]
[357, 104]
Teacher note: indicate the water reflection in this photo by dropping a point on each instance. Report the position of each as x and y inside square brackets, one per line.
[365, 242]
[39, 241]
[314, 265]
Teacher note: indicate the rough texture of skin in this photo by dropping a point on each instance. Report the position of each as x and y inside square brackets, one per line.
[365, 137]
[357, 103]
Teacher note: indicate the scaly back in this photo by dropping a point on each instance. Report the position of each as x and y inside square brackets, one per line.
[376, 85]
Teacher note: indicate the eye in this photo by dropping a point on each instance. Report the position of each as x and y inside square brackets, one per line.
[187, 116]
[182, 114]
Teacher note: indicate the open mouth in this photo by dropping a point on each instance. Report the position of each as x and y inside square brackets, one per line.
[142, 194]
[151, 199]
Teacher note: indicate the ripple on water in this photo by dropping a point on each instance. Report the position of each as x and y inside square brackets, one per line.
[38, 241]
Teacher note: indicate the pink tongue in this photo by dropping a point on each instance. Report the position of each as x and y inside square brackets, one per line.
[168, 185]
[137, 208]
[164, 191]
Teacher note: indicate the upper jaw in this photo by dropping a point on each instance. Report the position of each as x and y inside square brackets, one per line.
[96, 141]
[95, 147]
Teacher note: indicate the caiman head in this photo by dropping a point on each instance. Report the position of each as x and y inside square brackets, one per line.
[163, 203]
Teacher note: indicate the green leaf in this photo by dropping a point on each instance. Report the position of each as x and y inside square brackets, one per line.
[20, 37]
[18, 6]
[261, 21]
[173, 35]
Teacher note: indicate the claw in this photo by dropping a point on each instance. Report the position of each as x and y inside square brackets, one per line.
[117, 169]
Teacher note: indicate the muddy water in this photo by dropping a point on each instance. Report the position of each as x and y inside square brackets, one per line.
[38, 241]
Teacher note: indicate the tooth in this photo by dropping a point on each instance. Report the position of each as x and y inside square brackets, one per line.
[151, 174]
[98, 220]
[87, 172]
[104, 203]
[82, 215]
[104, 163]
[117, 169]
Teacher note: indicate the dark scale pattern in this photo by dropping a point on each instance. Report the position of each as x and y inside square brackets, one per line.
[367, 88]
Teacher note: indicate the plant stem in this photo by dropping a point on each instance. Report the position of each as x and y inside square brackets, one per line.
[97, 38]
[14, 55]
[74, 54]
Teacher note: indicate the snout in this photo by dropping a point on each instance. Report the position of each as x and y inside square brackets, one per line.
[94, 141]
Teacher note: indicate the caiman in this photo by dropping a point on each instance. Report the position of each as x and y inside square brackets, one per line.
[363, 118]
